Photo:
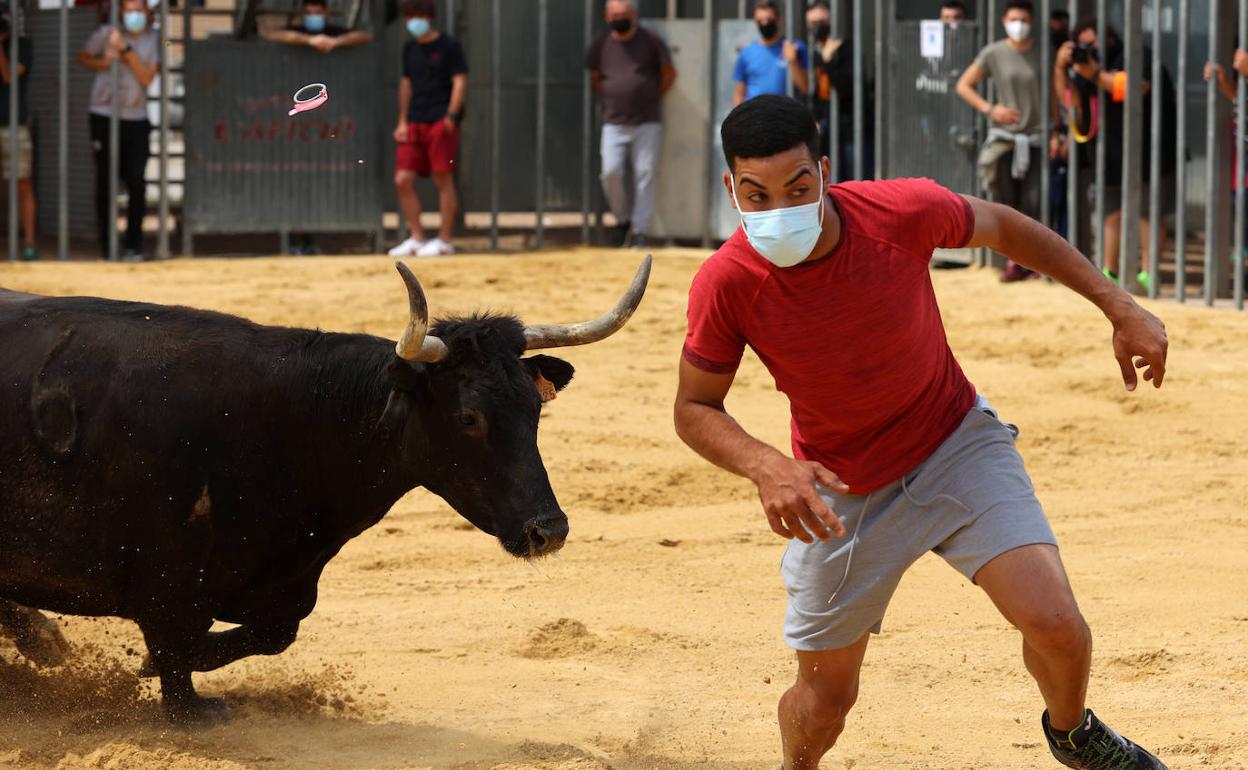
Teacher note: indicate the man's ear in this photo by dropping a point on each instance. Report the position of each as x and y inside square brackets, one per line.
[551, 374]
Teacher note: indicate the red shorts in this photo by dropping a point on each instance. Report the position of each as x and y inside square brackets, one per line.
[430, 148]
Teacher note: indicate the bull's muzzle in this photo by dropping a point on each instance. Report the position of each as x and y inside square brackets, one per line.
[546, 535]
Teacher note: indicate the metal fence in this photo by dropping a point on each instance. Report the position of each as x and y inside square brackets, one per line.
[531, 127]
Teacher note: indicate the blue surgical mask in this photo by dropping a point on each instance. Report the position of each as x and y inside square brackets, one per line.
[314, 22]
[418, 27]
[784, 236]
[135, 21]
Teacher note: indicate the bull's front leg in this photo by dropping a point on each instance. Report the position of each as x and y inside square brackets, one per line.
[220, 648]
[171, 644]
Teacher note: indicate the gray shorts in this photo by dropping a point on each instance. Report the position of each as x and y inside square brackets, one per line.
[970, 501]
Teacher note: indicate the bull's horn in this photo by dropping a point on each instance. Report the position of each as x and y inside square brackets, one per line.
[564, 335]
[415, 344]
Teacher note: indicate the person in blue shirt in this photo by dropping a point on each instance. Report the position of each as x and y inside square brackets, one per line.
[763, 66]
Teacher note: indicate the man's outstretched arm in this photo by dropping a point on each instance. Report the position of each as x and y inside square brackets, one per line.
[1139, 336]
[785, 486]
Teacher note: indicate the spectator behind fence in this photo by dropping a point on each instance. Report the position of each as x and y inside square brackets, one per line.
[631, 70]
[135, 51]
[834, 73]
[8, 72]
[763, 66]
[1100, 72]
[431, 105]
[953, 12]
[1059, 28]
[315, 30]
[1011, 158]
[1227, 88]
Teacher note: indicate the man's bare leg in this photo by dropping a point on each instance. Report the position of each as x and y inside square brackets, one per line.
[448, 204]
[812, 711]
[409, 202]
[1030, 588]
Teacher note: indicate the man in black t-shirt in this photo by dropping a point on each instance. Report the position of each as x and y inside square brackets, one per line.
[314, 29]
[630, 69]
[431, 104]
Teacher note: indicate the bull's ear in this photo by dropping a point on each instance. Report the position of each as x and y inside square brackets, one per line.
[555, 372]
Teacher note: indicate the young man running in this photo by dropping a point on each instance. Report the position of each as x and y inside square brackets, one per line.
[896, 454]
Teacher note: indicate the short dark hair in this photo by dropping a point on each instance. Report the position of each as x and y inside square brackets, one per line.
[1058, 13]
[321, 3]
[425, 8]
[819, 4]
[767, 5]
[768, 125]
[1020, 5]
[955, 4]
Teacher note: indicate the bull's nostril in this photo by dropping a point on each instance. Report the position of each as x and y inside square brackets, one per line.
[537, 539]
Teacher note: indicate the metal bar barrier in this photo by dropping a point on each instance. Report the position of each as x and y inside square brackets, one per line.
[587, 128]
[114, 140]
[1211, 160]
[859, 95]
[1132, 139]
[883, 14]
[540, 155]
[15, 76]
[1073, 205]
[1155, 213]
[1098, 229]
[1180, 176]
[496, 104]
[708, 165]
[1241, 164]
[162, 237]
[1046, 100]
[62, 140]
[788, 38]
[188, 34]
[834, 110]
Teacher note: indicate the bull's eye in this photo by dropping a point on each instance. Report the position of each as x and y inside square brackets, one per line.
[467, 419]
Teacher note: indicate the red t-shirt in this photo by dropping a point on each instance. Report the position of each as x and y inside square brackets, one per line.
[855, 340]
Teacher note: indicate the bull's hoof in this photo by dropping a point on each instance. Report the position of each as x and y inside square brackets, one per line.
[197, 712]
[42, 642]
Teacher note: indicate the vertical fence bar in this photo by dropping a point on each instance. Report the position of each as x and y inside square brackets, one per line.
[540, 155]
[834, 109]
[162, 238]
[114, 140]
[587, 130]
[496, 105]
[1180, 175]
[62, 140]
[883, 15]
[1073, 204]
[1155, 171]
[450, 19]
[1101, 147]
[14, 88]
[188, 34]
[741, 9]
[708, 163]
[987, 33]
[1241, 165]
[859, 90]
[671, 10]
[788, 38]
[1211, 162]
[1132, 146]
[1046, 99]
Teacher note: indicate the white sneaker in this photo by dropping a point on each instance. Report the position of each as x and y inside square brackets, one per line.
[436, 248]
[407, 248]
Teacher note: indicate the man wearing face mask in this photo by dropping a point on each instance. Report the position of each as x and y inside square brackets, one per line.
[316, 31]
[764, 66]
[431, 105]
[630, 70]
[135, 50]
[834, 75]
[1011, 158]
[894, 452]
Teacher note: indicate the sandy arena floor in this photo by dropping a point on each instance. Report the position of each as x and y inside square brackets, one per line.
[655, 642]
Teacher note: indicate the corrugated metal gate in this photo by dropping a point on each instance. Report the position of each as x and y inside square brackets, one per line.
[940, 135]
[252, 168]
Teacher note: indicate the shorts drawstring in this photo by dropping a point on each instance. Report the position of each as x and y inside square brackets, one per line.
[863, 514]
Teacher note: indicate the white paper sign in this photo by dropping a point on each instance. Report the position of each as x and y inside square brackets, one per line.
[932, 39]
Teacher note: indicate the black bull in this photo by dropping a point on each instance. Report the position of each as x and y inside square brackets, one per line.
[177, 466]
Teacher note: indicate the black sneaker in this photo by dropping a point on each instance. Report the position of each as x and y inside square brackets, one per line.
[622, 231]
[1104, 749]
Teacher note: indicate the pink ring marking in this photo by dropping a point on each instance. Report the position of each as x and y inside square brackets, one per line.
[311, 103]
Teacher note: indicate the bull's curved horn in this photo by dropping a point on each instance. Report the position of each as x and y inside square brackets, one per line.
[564, 335]
[415, 344]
